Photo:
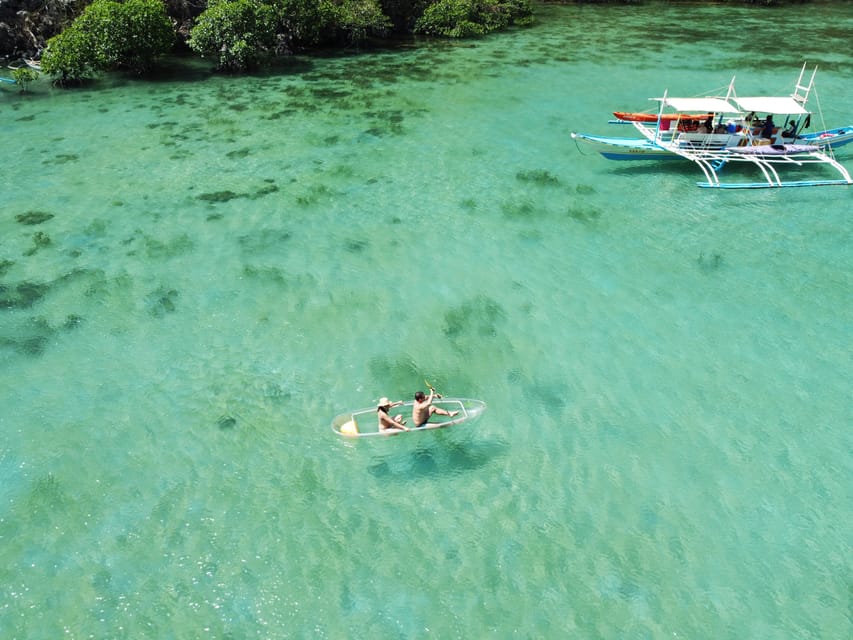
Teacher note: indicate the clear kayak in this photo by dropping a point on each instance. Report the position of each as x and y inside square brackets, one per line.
[364, 423]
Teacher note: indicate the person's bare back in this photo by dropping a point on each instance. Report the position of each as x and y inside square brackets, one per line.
[386, 422]
[423, 408]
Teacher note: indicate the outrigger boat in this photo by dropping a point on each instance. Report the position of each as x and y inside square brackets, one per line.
[733, 134]
[364, 423]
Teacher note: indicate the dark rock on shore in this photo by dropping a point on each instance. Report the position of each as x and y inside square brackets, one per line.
[27, 25]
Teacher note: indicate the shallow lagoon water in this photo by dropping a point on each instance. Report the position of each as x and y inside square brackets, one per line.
[196, 276]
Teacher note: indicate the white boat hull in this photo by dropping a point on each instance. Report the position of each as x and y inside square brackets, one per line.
[626, 148]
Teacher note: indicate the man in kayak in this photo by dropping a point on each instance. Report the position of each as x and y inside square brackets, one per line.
[423, 408]
[386, 422]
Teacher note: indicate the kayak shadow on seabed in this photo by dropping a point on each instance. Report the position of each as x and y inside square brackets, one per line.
[437, 459]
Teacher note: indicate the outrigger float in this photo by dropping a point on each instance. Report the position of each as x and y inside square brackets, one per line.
[731, 133]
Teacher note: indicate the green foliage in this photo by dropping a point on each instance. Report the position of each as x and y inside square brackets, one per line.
[23, 76]
[359, 18]
[518, 12]
[471, 18]
[446, 18]
[128, 35]
[69, 56]
[304, 22]
[310, 22]
[110, 35]
[404, 13]
[237, 32]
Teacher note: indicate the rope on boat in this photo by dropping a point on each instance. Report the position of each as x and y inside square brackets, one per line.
[580, 151]
[828, 150]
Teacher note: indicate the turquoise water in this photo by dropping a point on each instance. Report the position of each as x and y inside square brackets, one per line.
[198, 275]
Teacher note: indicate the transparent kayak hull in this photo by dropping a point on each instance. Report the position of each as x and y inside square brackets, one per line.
[363, 423]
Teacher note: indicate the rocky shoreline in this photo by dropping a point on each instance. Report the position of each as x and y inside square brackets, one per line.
[27, 25]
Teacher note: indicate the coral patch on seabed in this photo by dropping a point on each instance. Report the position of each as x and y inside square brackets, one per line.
[33, 217]
[62, 158]
[32, 337]
[219, 196]
[585, 215]
[161, 301]
[538, 176]
[709, 263]
[477, 317]
[23, 296]
[226, 423]
[40, 241]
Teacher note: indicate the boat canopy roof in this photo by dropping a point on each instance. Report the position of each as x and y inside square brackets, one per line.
[778, 106]
[701, 105]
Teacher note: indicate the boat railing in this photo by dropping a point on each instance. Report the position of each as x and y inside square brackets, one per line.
[705, 140]
[463, 412]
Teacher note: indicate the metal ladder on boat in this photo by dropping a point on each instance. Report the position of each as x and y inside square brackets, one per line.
[802, 91]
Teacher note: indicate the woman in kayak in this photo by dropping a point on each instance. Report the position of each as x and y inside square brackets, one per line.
[386, 422]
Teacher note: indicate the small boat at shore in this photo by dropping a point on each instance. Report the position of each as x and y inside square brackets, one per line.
[32, 64]
[363, 423]
[733, 134]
